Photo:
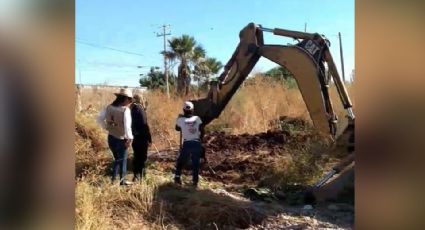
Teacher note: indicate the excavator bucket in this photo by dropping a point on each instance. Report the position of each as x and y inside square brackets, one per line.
[341, 187]
[339, 183]
[305, 71]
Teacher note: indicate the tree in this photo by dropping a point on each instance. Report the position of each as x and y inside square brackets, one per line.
[155, 79]
[182, 49]
[204, 69]
[213, 66]
[280, 73]
[192, 60]
[198, 60]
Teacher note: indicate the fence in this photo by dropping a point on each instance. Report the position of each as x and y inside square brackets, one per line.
[116, 87]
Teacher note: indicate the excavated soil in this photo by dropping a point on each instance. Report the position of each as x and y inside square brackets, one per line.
[246, 158]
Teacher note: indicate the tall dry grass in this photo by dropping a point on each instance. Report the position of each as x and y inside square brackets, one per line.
[250, 110]
[101, 205]
[254, 105]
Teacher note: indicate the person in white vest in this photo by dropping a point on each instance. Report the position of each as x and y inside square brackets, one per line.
[116, 119]
[192, 132]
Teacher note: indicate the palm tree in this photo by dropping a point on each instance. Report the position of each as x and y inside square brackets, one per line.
[204, 68]
[213, 65]
[199, 67]
[191, 59]
[182, 49]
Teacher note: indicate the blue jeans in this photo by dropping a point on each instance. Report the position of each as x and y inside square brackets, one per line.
[193, 149]
[119, 150]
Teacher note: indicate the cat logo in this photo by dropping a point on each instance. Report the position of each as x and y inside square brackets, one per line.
[311, 47]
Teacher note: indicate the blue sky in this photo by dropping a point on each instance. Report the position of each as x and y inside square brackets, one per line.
[131, 25]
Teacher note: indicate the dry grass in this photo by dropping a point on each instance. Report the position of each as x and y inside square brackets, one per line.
[250, 110]
[158, 204]
[151, 204]
[162, 113]
[256, 104]
[101, 204]
[106, 206]
[154, 204]
[91, 153]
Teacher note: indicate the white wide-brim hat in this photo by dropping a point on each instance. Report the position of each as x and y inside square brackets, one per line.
[125, 92]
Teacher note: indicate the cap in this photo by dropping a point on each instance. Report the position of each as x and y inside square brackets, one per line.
[188, 105]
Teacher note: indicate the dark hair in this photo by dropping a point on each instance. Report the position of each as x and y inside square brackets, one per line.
[119, 100]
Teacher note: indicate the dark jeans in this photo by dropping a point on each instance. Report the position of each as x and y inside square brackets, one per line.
[193, 149]
[140, 148]
[119, 150]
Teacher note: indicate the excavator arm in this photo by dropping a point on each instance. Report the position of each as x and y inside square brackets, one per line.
[235, 72]
[305, 60]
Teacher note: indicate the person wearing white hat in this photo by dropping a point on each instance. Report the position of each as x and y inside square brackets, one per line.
[192, 132]
[116, 119]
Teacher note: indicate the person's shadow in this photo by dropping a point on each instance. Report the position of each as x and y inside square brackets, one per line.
[204, 209]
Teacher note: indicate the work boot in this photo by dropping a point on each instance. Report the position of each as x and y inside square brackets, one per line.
[177, 180]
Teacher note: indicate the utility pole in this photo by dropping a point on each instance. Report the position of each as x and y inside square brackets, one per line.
[305, 27]
[164, 34]
[342, 57]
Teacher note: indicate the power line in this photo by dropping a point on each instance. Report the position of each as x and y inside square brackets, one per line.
[110, 70]
[108, 64]
[109, 48]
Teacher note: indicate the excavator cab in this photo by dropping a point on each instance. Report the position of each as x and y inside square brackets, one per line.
[307, 61]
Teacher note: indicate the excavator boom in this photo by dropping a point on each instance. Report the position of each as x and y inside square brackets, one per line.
[235, 72]
[305, 60]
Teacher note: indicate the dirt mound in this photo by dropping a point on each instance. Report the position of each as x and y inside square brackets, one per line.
[247, 158]
[219, 141]
[285, 130]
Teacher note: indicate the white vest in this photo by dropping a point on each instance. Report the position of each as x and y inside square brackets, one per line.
[115, 121]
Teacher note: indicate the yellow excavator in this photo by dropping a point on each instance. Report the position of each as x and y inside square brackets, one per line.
[307, 61]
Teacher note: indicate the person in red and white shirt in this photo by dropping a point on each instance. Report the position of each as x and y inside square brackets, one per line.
[192, 131]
